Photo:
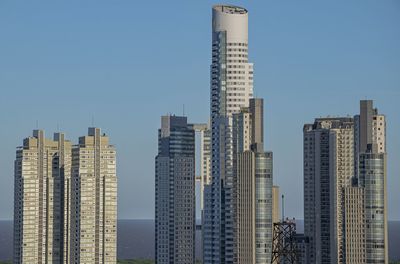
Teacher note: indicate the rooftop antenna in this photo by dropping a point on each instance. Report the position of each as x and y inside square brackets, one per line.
[183, 109]
[37, 124]
[92, 120]
[283, 207]
[58, 127]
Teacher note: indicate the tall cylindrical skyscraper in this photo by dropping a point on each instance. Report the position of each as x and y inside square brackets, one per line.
[231, 73]
[231, 88]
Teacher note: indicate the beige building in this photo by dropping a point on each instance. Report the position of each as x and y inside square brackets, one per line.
[275, 204]
[246, 208]
[253, 187]
[354, 222]
[42, 177]
[379, 132]
[341, 170]
[65, 204]
[94, 200]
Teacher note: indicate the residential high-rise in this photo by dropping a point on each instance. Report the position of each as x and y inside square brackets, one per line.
[369, 128]
[328, 169]
[345, 203]
[65, 200]
[42, 177]
[373, 178]
[253, 220]
[354, 225]
[93, 200]
[252, 189]
[175, 192]
[231, 89]
[370, 148]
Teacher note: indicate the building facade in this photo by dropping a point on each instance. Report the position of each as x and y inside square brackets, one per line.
[204, 178]
[370, 148]
[372, 178]
[252, 189]
[302, 246]
[175, 192]
[42, 177]
[231, 89]
[328, 169]
[94, 200]
[65, 205]
[354, 220]
[275, 204]
[345, 203]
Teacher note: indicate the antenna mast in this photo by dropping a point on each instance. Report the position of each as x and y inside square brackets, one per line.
[283, 207]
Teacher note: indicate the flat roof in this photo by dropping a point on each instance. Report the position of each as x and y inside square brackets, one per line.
[230, 9]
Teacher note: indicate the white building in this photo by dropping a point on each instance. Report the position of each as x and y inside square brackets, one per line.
[231, 89]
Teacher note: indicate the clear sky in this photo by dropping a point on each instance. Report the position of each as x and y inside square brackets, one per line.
[126, 63]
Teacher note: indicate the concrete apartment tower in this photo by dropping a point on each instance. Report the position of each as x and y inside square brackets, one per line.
[252, 187]
[93, 200]
[354, 225]
[231, 89]
[345, 203]
[175, 192]
[65, 200]
[42, 177]
[328, 170]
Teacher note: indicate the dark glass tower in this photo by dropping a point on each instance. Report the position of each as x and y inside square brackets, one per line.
[175, 192]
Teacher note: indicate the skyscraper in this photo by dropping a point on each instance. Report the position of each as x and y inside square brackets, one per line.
[371, 154]
[94, 200]
[345, 207]
[328, 169]
[175, 192]
[252, 188]
[65, 204]
[42, 177]
[231, 89]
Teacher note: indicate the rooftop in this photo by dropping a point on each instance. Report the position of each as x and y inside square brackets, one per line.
[230, 9]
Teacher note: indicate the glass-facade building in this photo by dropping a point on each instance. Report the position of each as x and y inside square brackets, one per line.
[263, 204]
[372, 178]
[175, 192]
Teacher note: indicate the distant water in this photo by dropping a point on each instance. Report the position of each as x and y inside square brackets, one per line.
[136, 239]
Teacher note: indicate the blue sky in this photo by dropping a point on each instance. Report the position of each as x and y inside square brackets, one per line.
[125, 63]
